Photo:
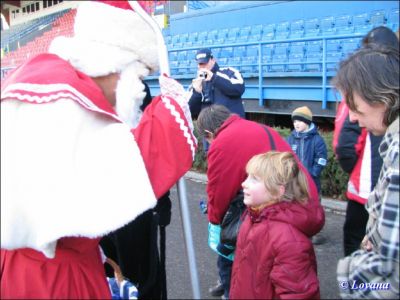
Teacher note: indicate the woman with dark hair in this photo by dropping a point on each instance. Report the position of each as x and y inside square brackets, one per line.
[369, 82]
[357, 153]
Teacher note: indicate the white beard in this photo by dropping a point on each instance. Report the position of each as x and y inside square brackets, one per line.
[130, 93]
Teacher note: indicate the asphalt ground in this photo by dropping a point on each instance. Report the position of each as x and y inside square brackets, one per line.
[178, 273]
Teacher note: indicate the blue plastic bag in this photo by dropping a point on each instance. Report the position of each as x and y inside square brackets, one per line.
[214, 232]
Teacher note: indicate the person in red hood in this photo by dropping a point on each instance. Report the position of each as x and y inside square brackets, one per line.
[274, 256]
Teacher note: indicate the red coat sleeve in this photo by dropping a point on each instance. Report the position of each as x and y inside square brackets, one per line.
[166, 143]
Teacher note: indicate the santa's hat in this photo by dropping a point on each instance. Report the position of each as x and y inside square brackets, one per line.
[108, 36]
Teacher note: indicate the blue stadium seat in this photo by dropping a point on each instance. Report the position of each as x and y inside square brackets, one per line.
[361, 23]
[250, 59]
[280, 55]
[236, 62]
[213, 35]
[232, 35]
[201, 38]
[333, 46]
[328, 26]
[239, 51]
[167, 39]
[333, 59]
[192, 67]
[173, 56]
[393, 19]
[182, 55]
[256, 33]
[192, 40]
[183, 38]
[344, 25]
[222, 34]
[244, 34]
[183, 67]
[349, 46]
[216, 52]
[297, 47]
[314, 47]
[313, 62]
[282, 31]
[174, 67]
[223, 62]
[296, 55]
[267, 52]
[175, 39]
[281, 59]
[252, 51]
[311, 27]
[191, 55]
[226, 52]
[377, 18]
[297, 29]
[281, 48]
[249, 65]
[295, 58]
[268, 32]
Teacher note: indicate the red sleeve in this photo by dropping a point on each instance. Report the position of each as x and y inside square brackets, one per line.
[222, 186]
[166, 143]
[341, 115]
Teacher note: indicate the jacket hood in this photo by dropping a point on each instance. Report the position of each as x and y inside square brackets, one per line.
[306, 218]
[310, 132]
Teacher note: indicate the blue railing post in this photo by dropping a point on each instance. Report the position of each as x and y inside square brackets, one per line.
[260, 77]
[324, 73]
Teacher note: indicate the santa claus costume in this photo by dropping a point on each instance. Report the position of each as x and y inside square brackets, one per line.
[74, 167]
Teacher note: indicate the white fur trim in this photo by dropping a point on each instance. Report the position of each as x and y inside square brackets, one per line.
[92, 58]
[60, 179]
[107, 39]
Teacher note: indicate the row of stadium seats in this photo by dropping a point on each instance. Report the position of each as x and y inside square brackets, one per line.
[61, 26]
[340, 25]
[293, 57]
[17, 32]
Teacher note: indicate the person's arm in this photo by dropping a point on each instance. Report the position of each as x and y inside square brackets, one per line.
[166, 143]
[381, 264]
[350, 144]
[320, 157]
[222, 175]
[195, 101]
[293, 274]
[229, 81]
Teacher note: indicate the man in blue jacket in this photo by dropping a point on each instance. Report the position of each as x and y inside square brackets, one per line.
[215, 85]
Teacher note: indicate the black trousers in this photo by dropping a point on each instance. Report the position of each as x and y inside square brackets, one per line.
[354, 226]
[135, 248]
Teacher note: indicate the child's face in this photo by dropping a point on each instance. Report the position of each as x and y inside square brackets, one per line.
[255, 192]
[300, 126]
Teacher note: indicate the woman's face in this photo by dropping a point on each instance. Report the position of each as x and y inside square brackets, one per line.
[370, 117]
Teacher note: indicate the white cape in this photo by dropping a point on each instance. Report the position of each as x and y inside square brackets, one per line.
[57, 178]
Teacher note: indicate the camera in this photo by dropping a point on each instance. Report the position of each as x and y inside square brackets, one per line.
[203, 75]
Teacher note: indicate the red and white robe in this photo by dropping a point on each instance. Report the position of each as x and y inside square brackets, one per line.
[72, 171]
